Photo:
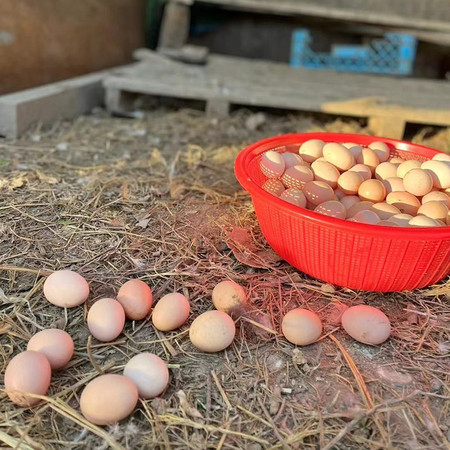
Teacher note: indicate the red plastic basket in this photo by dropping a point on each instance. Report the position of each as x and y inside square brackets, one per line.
[354, 255]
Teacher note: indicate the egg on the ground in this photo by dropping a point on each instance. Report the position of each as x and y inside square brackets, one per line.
[106, 319]
[66, 288]
[301, 326]
[136, 298]
[171, 312]
[228, 296]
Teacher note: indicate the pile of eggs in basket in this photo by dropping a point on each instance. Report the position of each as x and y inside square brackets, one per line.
[360, 184]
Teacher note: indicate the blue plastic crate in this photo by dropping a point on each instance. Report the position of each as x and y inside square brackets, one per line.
[392, 54]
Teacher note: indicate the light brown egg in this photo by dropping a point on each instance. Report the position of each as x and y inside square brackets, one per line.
[294, 196]
[394, 184]
[385, 170]
[324, 171]
[349, 200]
[108, 399]
[292, 159]
[297, 176]
[274, 187]
[171, 312]
[423, 221]
[435, 210]
[212, 331]
[228, 296]
[149, 373]
[439, 171]
[372, 191]
[27, 373]
[66, 288]
[369, 158]
[332, 208]
[387, 223]
[317, 192]
[311, 150]
[406, 166]
[363, 170]
[366, 324]
[384, 210]
[397, 161]
[441, 157]
[301, 326]
[136, 298]
[359, 206]
[272, 164]
[56, 345]
[339, 156]
[106, 319]
[381, 149]
[349, 182]
[404, 201]
[366, 216]
[355, 150]
[418, 182]
[401, 219]
[436, 196]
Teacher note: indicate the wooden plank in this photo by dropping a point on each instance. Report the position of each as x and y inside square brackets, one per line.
[431, 15]
[175, 25]
[260, 83]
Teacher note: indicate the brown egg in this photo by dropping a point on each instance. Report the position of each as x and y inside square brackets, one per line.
[339, 156]
[441, 157]
[349, 200]
[381, 150]
[366, 324]
[171, 312]
[384, 210]
[311, 150]
[359, 206]
[418, 182]
[294, 196]
[27, 373]
[108, 399]
[56, 345]
[274, 187]
[212, 331]
[366, 216]
[272, 164]
[387, 223]
[66, 288]
[332, 208]
[435, 210]
[363, 170]
[397, 161]
[301, 326]
[149, 373]
[385, 170]
[423, 221]
[440, 173]
[369, 158]
[349, 182]
[297, 176]
[355, 150]
[317, 192]
[106, 319]
[404, 201]
[228, 296]
[436, 196]
[292, 159]
[372, 191]
[136, 298]
[401, 219]
[406, 166]
[394, 184]
[324, 171]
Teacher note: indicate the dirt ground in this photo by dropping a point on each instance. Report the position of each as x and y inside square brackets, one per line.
[155, 198]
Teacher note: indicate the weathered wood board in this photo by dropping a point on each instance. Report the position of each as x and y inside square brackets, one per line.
[387, 102]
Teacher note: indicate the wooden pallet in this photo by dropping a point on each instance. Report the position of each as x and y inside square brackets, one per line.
[388, 103]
